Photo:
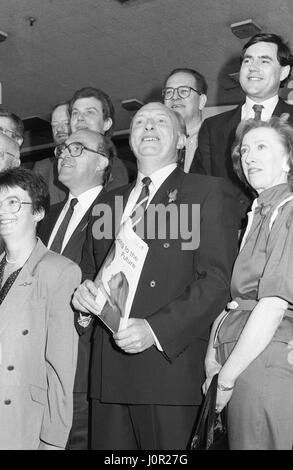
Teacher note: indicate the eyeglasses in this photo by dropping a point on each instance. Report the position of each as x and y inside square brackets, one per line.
[4, 154]
[183, 92]
[12, 204]
[76, 148]
[13, 135]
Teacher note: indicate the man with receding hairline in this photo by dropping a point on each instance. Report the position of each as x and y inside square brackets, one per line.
[146, 378]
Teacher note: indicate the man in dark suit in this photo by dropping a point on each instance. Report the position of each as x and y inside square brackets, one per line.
[185, 91]
[91, 108]
[266, 63]
[83, 167]
[146, 379]
[48, 166]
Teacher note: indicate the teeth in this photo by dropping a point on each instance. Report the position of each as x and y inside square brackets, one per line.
[150, 139]
[6, 221]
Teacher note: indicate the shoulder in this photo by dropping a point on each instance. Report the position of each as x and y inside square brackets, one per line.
[202, 183]
[222, 117]
[52, 262]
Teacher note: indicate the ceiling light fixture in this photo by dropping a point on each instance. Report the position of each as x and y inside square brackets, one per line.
[132, 104]
[245, 29]
[3, 36]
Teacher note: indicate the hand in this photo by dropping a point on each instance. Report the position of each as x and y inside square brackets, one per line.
[84, 298]
[212, 367]
[222, 399]
[137, 337]
[44, 446]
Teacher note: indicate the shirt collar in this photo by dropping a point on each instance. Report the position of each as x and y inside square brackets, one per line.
[159, 176]
[84, 197]
[269, 106]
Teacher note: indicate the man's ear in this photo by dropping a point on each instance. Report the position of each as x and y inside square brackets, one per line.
[103, 162]
[39, 215]
[284, 72]
[181, 141]
[202, 101]
[15, 163]
[107, 124]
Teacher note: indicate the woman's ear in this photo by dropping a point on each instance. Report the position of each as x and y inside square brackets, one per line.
[39, 215]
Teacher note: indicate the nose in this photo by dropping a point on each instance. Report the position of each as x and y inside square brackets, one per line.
[254, 65]
[80, 116]
[175, 94]
[149, 124]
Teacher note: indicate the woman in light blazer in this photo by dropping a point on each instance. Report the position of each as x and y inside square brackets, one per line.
[38, 342]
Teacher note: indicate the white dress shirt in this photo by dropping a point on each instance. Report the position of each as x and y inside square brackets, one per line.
[158, 178]
[191, 146]
[85, 200]
[268, 108]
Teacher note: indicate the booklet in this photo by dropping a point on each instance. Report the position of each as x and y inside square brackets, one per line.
[118, 277]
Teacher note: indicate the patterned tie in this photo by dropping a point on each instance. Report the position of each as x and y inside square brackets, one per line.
[141, 203]
[257, 108]
[56, 244]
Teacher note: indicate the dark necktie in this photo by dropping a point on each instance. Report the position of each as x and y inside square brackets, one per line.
[257, 108]
[56, 244]
[141, 203]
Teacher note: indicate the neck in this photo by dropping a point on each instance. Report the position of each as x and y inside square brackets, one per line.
[147, 168]
[77, 191]
[18, 251]
[194, 124]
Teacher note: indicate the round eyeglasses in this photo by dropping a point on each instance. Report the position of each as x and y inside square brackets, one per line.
[182, 91]
[12, 134]
[12, 204]
[7, 154]
[76, 148]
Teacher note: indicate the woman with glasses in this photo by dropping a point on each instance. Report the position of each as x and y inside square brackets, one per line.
[38, 343]
[251, 343]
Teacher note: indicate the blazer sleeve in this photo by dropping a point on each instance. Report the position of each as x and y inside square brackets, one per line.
[188, 317]
[60, 357]
[202, 159]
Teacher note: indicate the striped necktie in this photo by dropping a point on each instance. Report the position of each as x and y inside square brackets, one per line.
[141, 203]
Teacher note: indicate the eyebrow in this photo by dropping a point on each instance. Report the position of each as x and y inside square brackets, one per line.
[248, 56]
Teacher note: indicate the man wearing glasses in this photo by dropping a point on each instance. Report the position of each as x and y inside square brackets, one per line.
[84, 166]
[185, 91]
[9, 152]
[12, 126]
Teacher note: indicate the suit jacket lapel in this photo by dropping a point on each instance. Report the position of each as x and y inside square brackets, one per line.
[21, 290]
[49, 222]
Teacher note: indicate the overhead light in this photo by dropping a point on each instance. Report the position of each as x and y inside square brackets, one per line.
[3, 36]
[132, 104]
[245, 29]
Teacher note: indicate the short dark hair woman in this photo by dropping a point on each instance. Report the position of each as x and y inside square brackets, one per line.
[251, 343]
[37, 337]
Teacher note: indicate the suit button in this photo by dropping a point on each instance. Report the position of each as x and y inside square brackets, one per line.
[25, 332]
[166, 245]
[152, 283]
[241, 201]
[7, 402]
[10, 368]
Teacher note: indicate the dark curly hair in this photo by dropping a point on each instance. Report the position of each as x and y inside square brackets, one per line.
[32, 183]
[283, 129]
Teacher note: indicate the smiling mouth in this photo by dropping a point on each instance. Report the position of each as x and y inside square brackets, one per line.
[6, 221]
[150, 139]
[255, 79]
[253, 170]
